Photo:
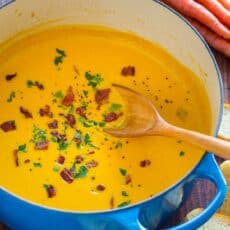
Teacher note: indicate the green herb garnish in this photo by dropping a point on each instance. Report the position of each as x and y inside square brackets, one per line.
[82, 172]
[115, 107]
[71, 109]
[182, 153]
[85, 92]
[60, 56]
[30, 84]
[124, 193]
[123, 204]
[123, 171]
[58, 94]
[39, 135]
[11, 97]
[93, 80]
[63, 145]
[46, 186]
[56, 169]
[118, 145]
[22, 148]
[37, 164]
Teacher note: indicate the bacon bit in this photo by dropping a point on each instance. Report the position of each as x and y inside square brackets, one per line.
[79, 159]
[26, 113]
[8, 126]
[69, 97]
[145, 163]
[39, 85]
[27, 161]
[60, 137]
[112, 116]
[43, 145]
[81, 111]
[71, 121]
[46, 111]
[16, 157]
[128, 71]
[91, 152]
[111, 202]
[61, 160]
[100, 187]
[51, 191]
[9, 77]
[53, 124]
[102, 96]
[91, 164]
[67, 175]
[128, 179]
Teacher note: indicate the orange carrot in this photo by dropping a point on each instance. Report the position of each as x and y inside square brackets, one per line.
[212, 38]
[217, 9]
[225, 3]
[194, 10]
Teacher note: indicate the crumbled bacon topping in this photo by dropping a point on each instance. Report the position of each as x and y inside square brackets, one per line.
[79, 159]
[53, 124]
[60, 137]
[102, 96]
[67, 175]
[39, 85]
[25, 112]
[81, 111]
[128, 179]
[9, 77]
[70, 120]
[51, 191]
[61, 160]
[15, 153]
[27, 161]
[145, 163]
[100, 187]
[112, 116]
[46, 111]
[91, 152]
[91, 164]
[8, 126]
[128, 71]
[43, 145]
[69, 97]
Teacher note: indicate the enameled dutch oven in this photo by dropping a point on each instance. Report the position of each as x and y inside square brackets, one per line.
[155, 22]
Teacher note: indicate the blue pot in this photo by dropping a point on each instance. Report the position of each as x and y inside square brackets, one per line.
[154, 21]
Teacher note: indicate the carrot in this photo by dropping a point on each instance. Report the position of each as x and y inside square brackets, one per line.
[194, 10]
[225, 3]
[217, 9]
[212, 38]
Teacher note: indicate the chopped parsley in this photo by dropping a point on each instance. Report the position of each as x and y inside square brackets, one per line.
[71, 109]
[83, 139]
[60, 56]
[115, 107]
[56, 168]
[118, 145]
[85, 92]
[182, 153]
[37, 164]
[63, 145]
[82, 172]
[123, 171]
[30, 84]
[124, 193]
[58, 94]
[11, 97]
[22, 148]
[93, 80]
[39, 135]
[46, 186]
[123, 204]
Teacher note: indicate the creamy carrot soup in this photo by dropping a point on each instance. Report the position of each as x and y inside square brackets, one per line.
[55, 99]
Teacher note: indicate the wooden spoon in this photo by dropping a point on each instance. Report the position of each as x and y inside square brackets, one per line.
[142, 119]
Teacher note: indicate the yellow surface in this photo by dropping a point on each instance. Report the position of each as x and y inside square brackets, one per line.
[169, 85]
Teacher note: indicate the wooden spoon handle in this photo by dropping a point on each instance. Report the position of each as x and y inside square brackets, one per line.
[212, 144]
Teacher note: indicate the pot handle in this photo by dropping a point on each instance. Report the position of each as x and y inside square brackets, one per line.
[208, 169]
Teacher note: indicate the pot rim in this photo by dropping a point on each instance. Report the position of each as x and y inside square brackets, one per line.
[179, 181]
